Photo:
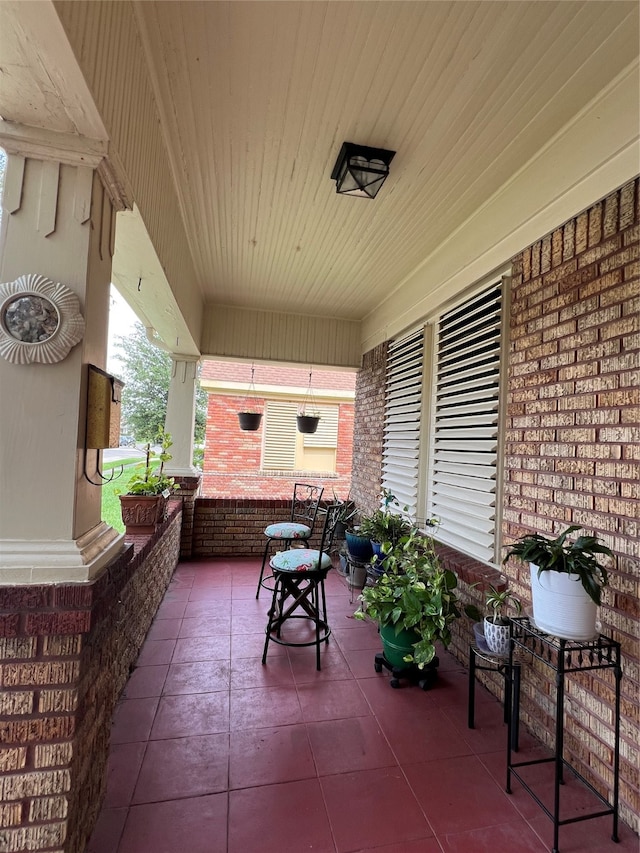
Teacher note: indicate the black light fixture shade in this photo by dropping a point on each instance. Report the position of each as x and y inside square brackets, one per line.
[360, 170]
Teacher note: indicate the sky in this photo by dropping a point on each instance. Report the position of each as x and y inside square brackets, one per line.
[121, 321]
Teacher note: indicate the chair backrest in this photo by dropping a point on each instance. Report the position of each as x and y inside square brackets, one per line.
[306, 500]
[332, 515]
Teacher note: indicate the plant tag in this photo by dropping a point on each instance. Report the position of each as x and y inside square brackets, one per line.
[166, 493]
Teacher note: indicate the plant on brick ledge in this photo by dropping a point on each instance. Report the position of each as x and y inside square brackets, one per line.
[143, 504]
[147, 480]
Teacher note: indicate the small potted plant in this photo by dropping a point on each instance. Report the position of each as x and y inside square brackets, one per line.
[414, 602]
[566, 581]
[143, 504]
[347, 513]
[496, 622]
[386, 526]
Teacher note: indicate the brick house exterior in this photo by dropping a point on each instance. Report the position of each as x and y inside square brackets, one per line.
[232, 458]
[571, 455]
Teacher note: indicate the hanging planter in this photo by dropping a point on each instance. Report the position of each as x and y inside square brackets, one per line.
[308, 416]
[248, 417]
[249, 421]
[308, 423]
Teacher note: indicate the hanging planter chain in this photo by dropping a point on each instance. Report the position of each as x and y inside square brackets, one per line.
[308, 415]
[248, 417]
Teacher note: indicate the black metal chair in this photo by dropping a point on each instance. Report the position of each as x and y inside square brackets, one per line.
[299, 528]
[298, 591]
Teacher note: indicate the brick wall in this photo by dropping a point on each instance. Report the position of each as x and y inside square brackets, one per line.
[234, 527]
[368, 428]
[187, 491]
[232, 457]
[572, 456]
[66, 651]
[572, 453]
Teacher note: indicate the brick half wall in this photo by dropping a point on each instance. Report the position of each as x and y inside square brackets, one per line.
[66, 651]
[224, 527]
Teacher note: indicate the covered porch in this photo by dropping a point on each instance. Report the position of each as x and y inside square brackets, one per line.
[487, 298]
[211, 746]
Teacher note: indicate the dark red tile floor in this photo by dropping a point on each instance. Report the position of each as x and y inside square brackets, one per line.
[212, 752]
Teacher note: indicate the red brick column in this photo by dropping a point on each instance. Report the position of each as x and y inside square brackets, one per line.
[188, 491]
[368, 429]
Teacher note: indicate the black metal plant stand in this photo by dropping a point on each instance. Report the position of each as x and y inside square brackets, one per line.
[481, 659]
[562, 658]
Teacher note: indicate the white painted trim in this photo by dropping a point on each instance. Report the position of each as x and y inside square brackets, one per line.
[189, 471]
[41, 144]
[228, 389]
[47, 561]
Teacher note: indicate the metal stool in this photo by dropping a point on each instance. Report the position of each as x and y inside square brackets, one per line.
[298, 591]
[304, 509]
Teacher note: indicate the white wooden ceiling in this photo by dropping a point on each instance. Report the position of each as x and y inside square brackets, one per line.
[256, 98]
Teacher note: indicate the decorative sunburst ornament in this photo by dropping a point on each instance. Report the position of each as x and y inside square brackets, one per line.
[40, 320]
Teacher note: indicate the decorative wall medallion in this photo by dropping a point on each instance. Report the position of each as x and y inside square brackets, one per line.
[39, 320]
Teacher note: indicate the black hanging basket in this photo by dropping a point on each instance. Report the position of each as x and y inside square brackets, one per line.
[250, 421]
[308, 423]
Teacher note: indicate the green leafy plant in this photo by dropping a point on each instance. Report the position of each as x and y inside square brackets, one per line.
[414, 593]
[348, 510]
[149, 480]
[386, 525]
[560, 555]
[497, 601]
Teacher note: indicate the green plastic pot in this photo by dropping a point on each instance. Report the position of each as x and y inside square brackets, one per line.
[396, 646]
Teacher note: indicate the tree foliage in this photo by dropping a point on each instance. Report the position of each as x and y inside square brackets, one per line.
[146, 371]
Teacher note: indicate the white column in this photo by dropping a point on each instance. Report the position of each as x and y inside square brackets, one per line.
[58, 222]
[181, 414]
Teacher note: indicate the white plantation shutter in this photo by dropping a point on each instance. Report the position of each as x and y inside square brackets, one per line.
[327, 433]
[401, 442]
[282, 442]
[466, 424]
[279, 451]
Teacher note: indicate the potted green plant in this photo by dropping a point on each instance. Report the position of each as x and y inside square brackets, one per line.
[496, 622]
[414, 602]
[385, 526]
[143, 504]
[566, 581]
[347, 512]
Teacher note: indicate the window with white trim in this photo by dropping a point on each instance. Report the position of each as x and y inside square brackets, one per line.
[465, 424]
[286, 449]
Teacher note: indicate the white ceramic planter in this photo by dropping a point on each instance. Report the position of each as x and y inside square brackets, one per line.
[497, 637]
[561, 607]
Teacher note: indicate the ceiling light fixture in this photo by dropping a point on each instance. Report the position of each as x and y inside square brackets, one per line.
[361, 171]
